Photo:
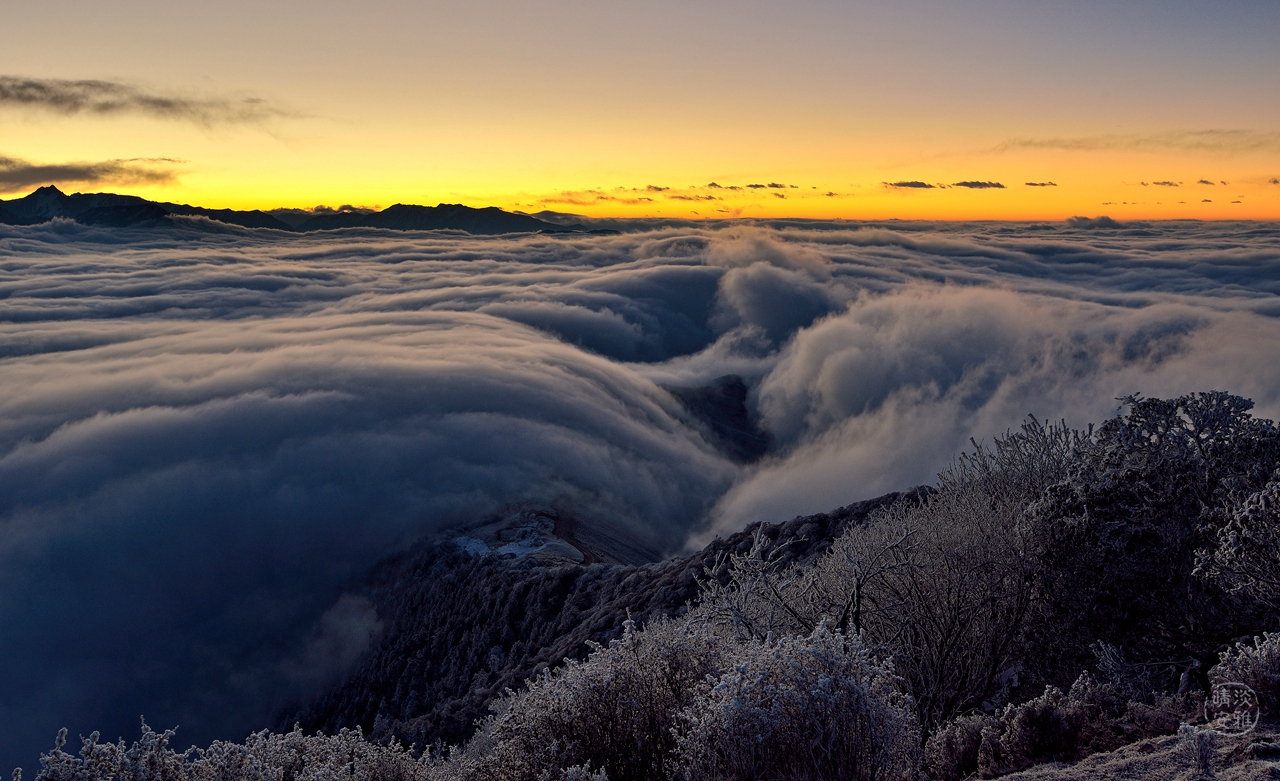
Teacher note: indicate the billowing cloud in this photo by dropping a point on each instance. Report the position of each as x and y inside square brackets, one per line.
[21, 175]
[109, 98]
[206, 431]
[1092, 222]
[974, 185]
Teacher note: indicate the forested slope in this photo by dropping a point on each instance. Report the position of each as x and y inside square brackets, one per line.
[460, 629]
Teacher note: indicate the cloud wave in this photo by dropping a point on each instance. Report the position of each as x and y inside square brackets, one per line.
[205, 431]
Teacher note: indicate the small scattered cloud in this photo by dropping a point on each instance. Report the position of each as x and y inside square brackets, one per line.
[1205, 181]
[715, 186]
[757, 186]
[776, 186]
[1165, 183]
[109, 98]
[1274, 180]
[1206, 200]
[692, 197]
[1040, 184]
[912, 185]
[780, 195]
[831, 194]
[980, 185]
[653, 188]
[19, 175]
[594, 197]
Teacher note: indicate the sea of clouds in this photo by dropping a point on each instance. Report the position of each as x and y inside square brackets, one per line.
[206, 432]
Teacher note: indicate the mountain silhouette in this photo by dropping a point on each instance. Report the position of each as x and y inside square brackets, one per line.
[118, 211]
[446, 216]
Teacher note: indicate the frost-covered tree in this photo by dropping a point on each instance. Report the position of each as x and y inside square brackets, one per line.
[1117, 539]
[805, 708]
[1246, 554]
[942, 582]
[613, 711]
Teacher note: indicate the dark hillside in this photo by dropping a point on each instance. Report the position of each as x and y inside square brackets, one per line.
[461, 628]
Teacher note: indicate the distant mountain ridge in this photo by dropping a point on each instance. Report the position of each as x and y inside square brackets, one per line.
[118, 211]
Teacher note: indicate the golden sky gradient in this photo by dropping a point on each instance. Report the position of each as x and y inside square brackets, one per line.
[608, 109]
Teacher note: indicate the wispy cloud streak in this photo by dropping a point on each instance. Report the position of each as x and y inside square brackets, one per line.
[1216, 141]
[108, 98]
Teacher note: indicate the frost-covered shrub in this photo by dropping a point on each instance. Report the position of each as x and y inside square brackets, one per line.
[951, 754]
[614, 711]
[301, 757]
[1198, 749]
[148, 759]
[1034, 731]
[815, 707]
[1255, 664]
[1135, 681]
[1089, 719]
[264, 756]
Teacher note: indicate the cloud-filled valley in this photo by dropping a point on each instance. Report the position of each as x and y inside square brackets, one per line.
[207, 431]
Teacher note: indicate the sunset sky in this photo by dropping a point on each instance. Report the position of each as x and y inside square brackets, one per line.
[861, 110]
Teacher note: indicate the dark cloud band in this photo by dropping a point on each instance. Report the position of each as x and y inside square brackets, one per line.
[107, 98]
[20, 175]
